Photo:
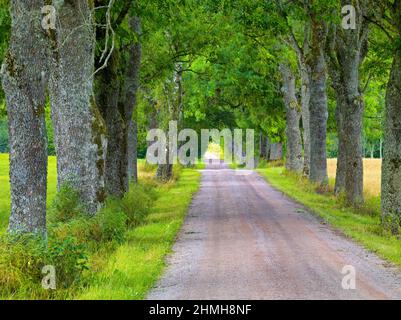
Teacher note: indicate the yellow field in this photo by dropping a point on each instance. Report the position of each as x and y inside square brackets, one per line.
[371, 175]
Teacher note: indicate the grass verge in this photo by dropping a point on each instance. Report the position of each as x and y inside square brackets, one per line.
[363, 226]
[135, 266]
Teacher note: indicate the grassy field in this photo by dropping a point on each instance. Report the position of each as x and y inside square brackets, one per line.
[364, 228]
[371, 174]
[128, 269]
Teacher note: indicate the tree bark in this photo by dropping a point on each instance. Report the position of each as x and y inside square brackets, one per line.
[107, 98]
[381, 149]
[263, 146]
[318, 105]
[341, 160]
[165, 171]
[131, 90]
[116, 98]
[293, 115]
[302, 51]
[133, 149]
[79, 129]
[268, 148]
[345, 53]
[276, 151]
[305, 102]
[353, 148]
[391, 166]
[24, 74]
[152, 116]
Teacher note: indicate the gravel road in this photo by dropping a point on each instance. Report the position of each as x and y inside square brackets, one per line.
[242, 239]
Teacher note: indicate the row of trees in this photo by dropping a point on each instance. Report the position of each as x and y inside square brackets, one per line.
[112, 70]
[86, 70]
[91, 103]
[342, 40]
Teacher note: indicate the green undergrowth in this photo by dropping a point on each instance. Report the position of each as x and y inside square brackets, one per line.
[362, 224]
[134, 267]
[116, 254]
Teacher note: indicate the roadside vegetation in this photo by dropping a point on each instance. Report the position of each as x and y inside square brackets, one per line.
[117, 254]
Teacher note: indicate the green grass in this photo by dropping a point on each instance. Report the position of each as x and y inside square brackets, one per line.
[127, 269]
[199, 166]
[364, 228]
[137, 264]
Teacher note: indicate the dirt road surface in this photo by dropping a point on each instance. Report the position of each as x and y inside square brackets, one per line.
[242, 239]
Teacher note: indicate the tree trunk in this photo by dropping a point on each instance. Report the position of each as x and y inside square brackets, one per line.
[263, 146]
[293, 114]
[152, 117]
[24, 76]
[341, 160]
[391, 166]
[133, 150]
[305, 101]
[165, 171]
[276, 151]
[344, 56]
[302, 51]
[318, 115]
[353, 149]
[131, 89]
[108, 94]
[381, 148]
[116, 103]
[268, 148]
[79, 129]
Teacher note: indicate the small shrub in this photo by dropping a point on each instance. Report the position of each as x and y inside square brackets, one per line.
[109, 224]
[371, 206]
[69, 259]
[136, 204]
[22, 260]
[391, 223]
[276, 163]
[263, 163]
[79, 229]
[322, 188]
[67, 205]
[177, 170]
[147, 167]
